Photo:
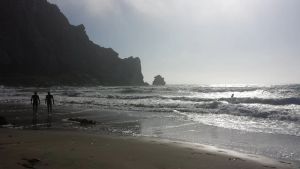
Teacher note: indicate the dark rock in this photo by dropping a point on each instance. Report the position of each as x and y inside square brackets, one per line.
[32, 161]
[38, 46]
[25, 165]
[159, 81]
[3, 121]
[83, 122]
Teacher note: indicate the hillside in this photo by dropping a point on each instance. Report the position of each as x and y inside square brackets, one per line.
[38, 46]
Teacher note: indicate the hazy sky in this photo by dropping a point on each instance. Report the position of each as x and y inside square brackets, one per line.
[198, 41]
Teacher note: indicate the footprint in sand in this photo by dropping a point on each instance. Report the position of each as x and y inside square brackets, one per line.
[268, 166]
[210, 154]
[30, 162]
[25, 165]
[196, 153]
[14, 143]
[283, 162]
[235, 159]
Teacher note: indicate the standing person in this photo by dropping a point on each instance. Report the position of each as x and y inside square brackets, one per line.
[35, 101]
[49, 100]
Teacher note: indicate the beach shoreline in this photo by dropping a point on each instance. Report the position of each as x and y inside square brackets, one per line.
[70, 149]
[117, 124]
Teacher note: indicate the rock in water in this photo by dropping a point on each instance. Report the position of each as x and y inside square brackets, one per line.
[38, 46]
[159, 81]
[3, 121]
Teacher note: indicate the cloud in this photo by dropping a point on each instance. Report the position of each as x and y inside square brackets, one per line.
[94, 8]
[197, 37]
[196, 10]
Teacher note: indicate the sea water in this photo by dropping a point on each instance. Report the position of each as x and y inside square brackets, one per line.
[249, 118]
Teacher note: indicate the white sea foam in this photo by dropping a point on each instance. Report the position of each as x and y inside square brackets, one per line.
[270, 109]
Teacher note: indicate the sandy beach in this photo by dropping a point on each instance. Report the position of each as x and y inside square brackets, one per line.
[67, 149]
[149, 84]
[109, 145]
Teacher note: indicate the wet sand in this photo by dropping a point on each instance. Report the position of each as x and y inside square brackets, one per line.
[68, 145]
[69, 149]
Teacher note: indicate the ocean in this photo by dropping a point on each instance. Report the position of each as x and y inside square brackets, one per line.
[262, 120]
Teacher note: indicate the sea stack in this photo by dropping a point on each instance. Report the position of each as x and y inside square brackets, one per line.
[159, 81]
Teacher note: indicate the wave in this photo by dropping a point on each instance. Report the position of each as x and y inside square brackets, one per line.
[273, 101]
[181, 98]
[132, 97]
[246, 100]
[209, 105]
[71, 93]
[224, 89]
[193, 99]
[135, 90]
[257, 112]
[244, 110]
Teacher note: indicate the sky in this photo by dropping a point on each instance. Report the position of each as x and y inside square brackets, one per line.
[198, 41]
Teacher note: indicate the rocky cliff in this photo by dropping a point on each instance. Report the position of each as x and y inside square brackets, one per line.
[38, 46]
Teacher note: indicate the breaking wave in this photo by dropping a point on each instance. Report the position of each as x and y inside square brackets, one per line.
[248, 100]
[273, 104]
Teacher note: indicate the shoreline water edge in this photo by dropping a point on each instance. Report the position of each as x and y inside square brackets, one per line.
[116, 115]
[68, 149]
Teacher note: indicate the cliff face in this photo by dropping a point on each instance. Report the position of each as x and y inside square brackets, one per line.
[38, 46]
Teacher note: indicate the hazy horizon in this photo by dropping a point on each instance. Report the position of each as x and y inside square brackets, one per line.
[198, 42]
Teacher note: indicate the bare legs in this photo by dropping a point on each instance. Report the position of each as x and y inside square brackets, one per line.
[49, 119]
[34, 115]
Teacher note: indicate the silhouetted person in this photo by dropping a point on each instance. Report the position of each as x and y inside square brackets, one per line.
[35, 101]
[49, 100]
[232, 96]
